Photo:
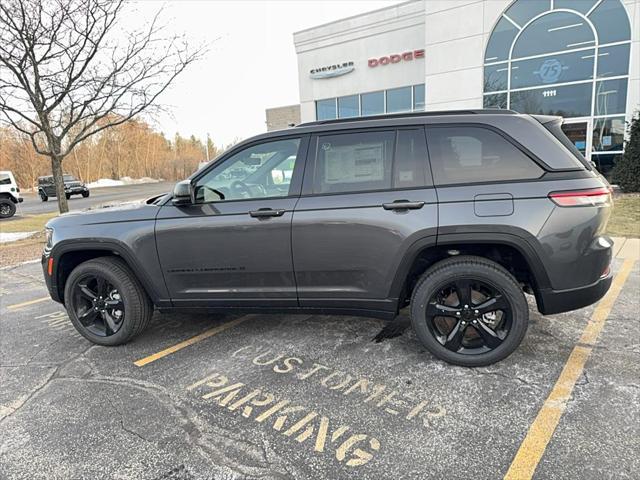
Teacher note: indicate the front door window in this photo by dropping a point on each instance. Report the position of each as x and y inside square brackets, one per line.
[259, 171]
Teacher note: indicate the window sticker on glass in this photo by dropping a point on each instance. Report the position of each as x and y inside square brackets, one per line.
[353, 163]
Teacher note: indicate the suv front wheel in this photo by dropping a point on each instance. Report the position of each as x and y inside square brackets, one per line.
[105, 301]
[469, 311]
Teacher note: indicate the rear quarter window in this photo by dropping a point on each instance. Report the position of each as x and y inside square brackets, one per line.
[5, 179]
[463, 154]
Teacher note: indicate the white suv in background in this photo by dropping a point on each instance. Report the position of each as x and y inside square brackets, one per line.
[9, 194]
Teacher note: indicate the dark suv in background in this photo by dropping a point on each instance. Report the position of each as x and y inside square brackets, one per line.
[455, 215]
[72, 186]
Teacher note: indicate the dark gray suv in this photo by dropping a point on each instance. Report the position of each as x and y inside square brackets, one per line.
[455, 215]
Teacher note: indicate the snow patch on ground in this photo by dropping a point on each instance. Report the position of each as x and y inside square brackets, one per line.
[107, 182]
[14, 236]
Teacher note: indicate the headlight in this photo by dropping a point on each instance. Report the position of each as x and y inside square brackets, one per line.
[48, 235]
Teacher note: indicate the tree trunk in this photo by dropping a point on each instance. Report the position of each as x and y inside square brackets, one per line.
[56, 168]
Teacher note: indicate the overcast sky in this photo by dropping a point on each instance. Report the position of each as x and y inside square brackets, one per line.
[251, 67]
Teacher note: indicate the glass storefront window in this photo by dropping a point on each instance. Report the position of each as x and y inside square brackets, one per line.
[399, 100]
[560, 68]
[348, 106]
[566, 101]
[522, 12]
[372, 103]
[582, 6]
[495, 77]
[613, 61]
[611, 97]
[611, 22]
[326, 109]
[500, 41]
[605, 161]
[498, 100]
[418, 97]
[608, 134]
[554, 32]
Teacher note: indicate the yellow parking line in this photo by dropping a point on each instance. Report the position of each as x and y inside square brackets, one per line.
[30, 302]
[179, 346]
[534, 444]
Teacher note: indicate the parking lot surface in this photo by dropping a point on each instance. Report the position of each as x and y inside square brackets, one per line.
[202, 396]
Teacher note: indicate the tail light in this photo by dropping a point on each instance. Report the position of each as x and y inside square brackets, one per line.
[581, 198]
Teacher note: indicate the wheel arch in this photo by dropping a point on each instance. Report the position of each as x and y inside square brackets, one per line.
[68, 255]
[511, 251]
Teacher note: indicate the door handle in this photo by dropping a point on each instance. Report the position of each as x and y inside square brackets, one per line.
[403, 205]
[266, 212]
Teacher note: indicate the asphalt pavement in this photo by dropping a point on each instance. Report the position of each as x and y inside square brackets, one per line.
[203, 396]
[32, 205]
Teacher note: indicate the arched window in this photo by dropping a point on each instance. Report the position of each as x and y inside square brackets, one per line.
[563, 57]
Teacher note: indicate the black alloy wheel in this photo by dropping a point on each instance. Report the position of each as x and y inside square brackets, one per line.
[469, 316]
[469, 311]
[98, 305]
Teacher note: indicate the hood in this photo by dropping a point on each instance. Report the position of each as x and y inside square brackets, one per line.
[123, 212]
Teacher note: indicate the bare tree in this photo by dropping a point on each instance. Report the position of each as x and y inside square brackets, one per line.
[68, 71]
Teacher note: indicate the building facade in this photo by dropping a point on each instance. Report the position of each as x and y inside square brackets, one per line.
[576, 58]
[279, 118]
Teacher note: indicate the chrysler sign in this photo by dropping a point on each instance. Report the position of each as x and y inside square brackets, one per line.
[331, 71]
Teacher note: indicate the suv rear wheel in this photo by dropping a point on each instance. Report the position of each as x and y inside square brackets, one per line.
[469, 311]
[105, 301]
[43, 196]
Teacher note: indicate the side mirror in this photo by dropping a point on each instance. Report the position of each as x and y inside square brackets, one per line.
[183, 193]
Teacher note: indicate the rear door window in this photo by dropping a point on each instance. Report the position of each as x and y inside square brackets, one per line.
[354, 162]
[410, 166]
[464, 154]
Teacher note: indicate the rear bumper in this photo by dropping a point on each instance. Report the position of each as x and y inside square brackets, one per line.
[558, 301]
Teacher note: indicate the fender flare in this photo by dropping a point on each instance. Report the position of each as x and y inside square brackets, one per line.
[512, 240]
[108, 246]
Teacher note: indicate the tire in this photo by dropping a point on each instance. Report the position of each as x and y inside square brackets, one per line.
[137, 308]
[85, 194]
[68, 195]
[7, 208]
[43, 196]
[469, 348]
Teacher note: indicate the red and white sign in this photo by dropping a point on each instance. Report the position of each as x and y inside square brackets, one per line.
[396, 58]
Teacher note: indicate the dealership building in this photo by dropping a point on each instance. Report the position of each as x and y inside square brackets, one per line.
[575, 58]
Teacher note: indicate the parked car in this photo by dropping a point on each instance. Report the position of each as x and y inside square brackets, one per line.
[9, 194]
[72, 186]
[455, 215]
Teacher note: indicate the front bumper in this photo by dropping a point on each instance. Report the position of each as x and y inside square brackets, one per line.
[50, 280]
[558, 301]
[20, 200]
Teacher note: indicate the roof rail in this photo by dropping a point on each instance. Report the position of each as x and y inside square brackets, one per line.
[494, 111]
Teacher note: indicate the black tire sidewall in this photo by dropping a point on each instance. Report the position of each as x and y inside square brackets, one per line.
[12, 208]
[487, 272]
[129, 299]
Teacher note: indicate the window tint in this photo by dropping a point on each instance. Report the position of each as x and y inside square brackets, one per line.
[418, 97]
[372, 103]
[554, 32]
[611, 96]
[564, 100]
[474, 154]
[565, 67]
[348, 106]
[613, 61]
[353, 162]
[410, 167]
[260, 171]
[611, 21]
[495, 77]
[326, 109]
[498, 100]
[500, 41]
[399, 100]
